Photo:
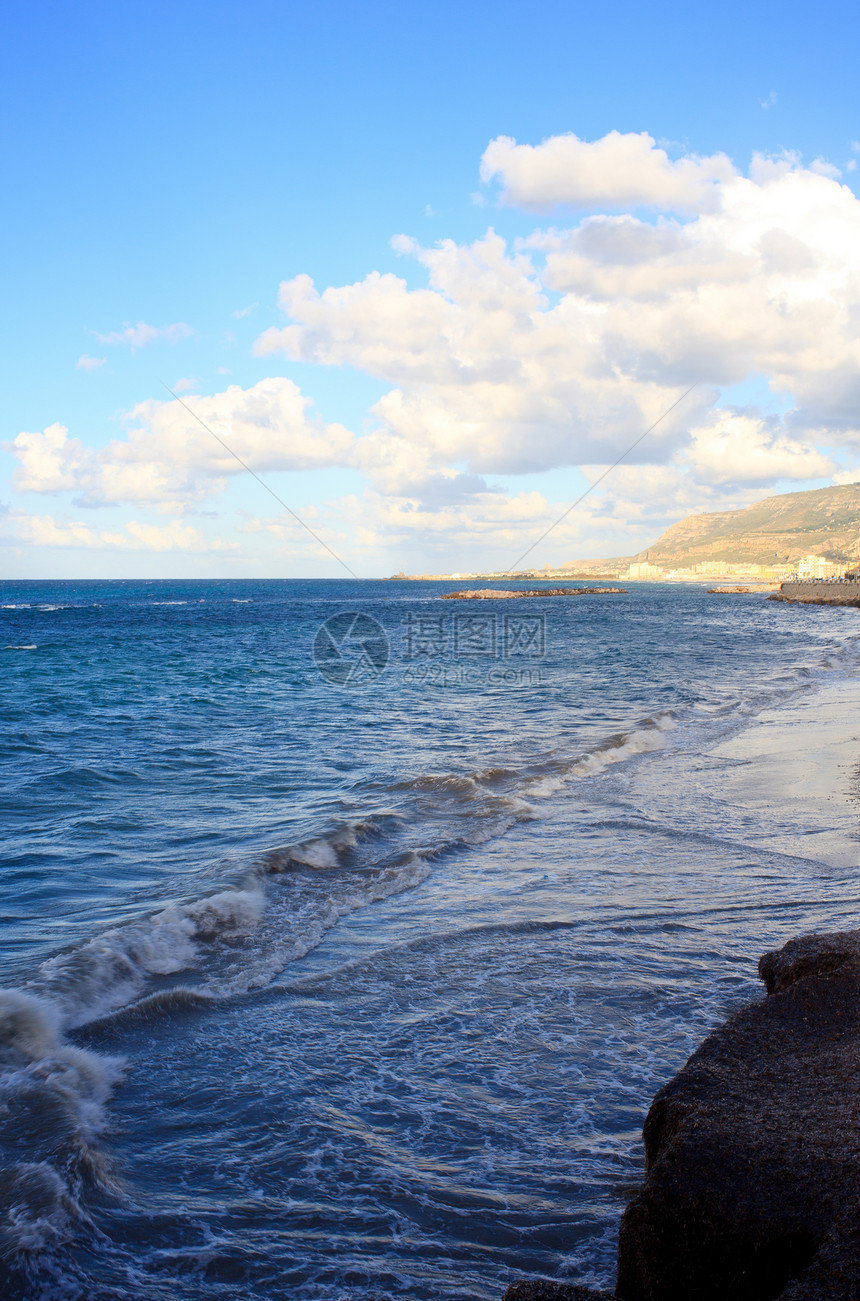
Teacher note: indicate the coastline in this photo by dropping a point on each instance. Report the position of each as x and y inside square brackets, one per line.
[748, 1171]
[534, 873]
[802, 760]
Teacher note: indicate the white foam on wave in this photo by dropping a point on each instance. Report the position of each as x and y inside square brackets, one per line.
[219, 934]
[650, 735]
[113, 968]
[32, 646]
[326, 851]
[465, 784]
[328, 877]
[294, 926]
[280, 926]
[319, 853]
[57, 1094]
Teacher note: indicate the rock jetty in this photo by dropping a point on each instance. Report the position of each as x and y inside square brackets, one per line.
[839, 591]
[853, 600]
[752, 1187]
[491, 593]
[748, 591]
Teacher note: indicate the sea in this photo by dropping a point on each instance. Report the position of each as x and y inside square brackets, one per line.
[348, 932]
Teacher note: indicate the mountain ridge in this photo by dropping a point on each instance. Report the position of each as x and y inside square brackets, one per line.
[775, 531]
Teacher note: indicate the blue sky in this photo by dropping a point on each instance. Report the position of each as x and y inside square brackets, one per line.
[173, 164]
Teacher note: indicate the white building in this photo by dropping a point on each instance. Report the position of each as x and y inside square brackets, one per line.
[819, 567]
[644, 569]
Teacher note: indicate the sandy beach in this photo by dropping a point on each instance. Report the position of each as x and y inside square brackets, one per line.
[800, 766]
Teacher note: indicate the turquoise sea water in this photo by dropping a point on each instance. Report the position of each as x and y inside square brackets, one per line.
[344, 964]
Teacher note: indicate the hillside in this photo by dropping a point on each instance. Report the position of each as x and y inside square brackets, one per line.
[775, 531]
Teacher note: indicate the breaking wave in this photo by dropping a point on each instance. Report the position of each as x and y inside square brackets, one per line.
[244, 935]
[53, 1096]
[113, 968]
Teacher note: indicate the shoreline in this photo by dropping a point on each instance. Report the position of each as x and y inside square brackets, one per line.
[802, 758]
[746, 1143]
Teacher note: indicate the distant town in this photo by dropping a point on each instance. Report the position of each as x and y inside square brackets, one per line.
[804, 535]
[707, 571]
[805, 568]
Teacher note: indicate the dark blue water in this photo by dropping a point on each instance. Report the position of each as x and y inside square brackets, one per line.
[345, 965]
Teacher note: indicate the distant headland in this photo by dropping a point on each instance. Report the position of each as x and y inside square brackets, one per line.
[804, 535]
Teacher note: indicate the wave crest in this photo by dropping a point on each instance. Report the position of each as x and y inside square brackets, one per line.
[54, 1097]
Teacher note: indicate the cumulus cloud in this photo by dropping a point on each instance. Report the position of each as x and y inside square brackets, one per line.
[487, 370]
[561, 351]
[494, 529]
[736, 447]
[48, 461]
[618, 171]
[89, 363]
[847, 476]
[138, 336]
[46, 531]
[168, 460]
[555, 352]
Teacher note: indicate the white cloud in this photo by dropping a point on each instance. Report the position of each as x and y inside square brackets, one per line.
[138, 336]
[241, 312]
[563, 350]
[46, 531]
[735, 447]
[770, 100]
[48, 460]
[487, 369]
[557, 352]
[490, 521]
[89, 363]
[847, 476]
[617, 171]
[494, 529]
[169, 460]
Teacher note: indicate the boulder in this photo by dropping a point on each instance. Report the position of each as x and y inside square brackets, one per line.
[752, 1188]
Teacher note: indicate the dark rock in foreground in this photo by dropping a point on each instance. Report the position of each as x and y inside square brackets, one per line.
[753, 1150]
[491, 593]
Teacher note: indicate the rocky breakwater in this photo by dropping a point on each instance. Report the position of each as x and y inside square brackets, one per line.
[747, 591]
[490, 593]
[752, 1186]
[820, 592]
